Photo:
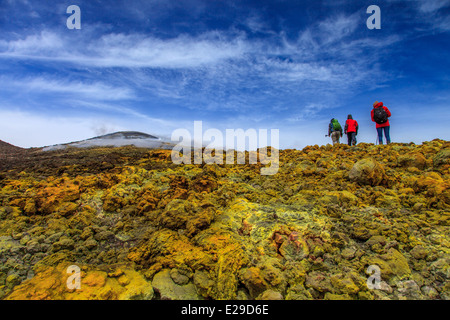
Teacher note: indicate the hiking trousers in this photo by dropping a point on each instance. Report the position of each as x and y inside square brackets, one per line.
[335, 135]
[386, 134]
[351, 138]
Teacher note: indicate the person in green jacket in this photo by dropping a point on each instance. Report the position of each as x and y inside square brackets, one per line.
[334, 131]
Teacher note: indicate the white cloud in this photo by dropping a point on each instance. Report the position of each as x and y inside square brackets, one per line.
[45, 44]
[306, 112]
[298, 72]
[425, 6]
[431, 14]
[445, 24]
[126, 111]
[78, 89]
[431, 6]
[256, 24]
[131, 50]
[337, 28]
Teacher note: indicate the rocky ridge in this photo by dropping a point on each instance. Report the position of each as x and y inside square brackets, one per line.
[141, 227]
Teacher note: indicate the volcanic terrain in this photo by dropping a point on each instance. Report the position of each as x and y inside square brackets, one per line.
[140, 227]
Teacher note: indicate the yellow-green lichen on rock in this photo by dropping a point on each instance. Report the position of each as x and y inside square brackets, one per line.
[142, 227]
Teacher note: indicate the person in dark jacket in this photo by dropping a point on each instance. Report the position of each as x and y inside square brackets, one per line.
[381, 125]
[351, 130]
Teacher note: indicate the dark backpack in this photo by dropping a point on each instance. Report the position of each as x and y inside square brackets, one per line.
[380, 115]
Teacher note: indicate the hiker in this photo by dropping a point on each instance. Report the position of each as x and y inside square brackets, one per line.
[334, 130]
[351, 130]
[380, 115]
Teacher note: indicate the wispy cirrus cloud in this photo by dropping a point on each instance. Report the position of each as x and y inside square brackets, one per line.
[436, 14]
[431, 6]
[127, 50]
[94, 90]
[428, 16]
[337, 27]
[124, 110]
[217, 69]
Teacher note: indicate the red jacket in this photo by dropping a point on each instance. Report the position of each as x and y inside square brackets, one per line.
[379, 105]
[351, 125]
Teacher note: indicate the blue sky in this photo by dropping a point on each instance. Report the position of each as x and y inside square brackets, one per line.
[158, 65]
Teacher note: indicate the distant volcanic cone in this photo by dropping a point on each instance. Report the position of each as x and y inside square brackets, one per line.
[118, 139]
[7, 148]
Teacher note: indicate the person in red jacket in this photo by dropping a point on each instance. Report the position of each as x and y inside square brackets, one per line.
[380, 115]
[351, 130]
